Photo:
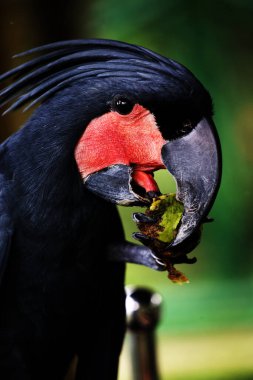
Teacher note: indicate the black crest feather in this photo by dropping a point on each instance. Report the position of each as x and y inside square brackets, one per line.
[61, 63]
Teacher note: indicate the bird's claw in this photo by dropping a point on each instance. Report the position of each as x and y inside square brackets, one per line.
[139, 217]
[132, 253]
[149, 242]
[144, 239]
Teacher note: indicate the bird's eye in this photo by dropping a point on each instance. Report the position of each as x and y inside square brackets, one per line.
[122, 105]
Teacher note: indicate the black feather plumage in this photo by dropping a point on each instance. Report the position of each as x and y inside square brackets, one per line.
[60, 295]
[65, 62]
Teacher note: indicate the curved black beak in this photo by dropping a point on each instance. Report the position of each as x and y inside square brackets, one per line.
[114, 184]
[194, 161]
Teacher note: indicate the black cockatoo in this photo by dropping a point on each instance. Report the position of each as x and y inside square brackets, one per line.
[110, 114]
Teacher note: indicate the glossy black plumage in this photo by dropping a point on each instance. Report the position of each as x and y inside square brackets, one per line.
[59, 295]
[56, 272]
[75, 60]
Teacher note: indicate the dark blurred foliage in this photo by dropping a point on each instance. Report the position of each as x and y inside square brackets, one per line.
[214, 40]
[28, 23]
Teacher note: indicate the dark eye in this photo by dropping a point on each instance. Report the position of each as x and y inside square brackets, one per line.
[122, 104]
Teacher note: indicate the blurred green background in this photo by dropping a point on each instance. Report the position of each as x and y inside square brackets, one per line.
[206, 330]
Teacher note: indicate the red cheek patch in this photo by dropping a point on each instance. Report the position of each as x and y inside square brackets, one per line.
[111, 139]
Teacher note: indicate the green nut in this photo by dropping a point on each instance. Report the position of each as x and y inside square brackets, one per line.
[168, 211]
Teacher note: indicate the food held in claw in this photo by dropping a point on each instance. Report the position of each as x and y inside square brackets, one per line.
[161, 225]
[168, 213]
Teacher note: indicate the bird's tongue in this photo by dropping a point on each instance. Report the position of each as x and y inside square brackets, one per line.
[146, 181]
